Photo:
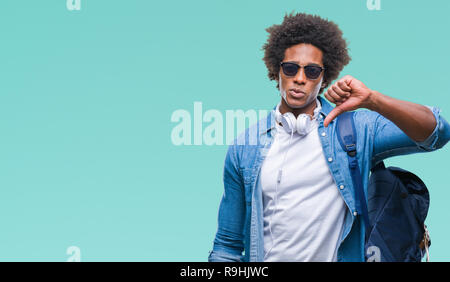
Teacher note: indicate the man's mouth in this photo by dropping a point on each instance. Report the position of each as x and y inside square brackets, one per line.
[296, 93]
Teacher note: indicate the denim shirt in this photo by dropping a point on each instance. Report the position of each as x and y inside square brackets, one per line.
[240, 215]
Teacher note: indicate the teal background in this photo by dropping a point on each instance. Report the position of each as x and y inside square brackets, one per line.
[86, 98]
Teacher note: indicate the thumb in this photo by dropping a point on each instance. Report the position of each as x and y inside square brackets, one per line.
[332, 115]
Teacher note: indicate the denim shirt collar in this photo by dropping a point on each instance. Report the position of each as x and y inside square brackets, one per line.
[326, 109]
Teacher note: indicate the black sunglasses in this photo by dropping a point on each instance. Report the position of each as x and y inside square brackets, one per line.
[311, 71]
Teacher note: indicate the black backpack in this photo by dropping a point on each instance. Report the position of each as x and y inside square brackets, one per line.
[396, 208]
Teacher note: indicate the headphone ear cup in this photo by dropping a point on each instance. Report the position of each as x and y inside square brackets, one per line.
[289, 122]
[301, 124]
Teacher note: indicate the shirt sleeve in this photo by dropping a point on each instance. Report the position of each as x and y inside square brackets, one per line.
[229, 240]
[389, 140]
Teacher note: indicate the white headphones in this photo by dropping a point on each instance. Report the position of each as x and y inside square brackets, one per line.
[303, 124]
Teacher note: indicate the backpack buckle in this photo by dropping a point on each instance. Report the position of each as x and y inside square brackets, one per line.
[425, 243]
[351, 150]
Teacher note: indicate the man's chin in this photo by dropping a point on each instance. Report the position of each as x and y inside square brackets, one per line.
[296, 103]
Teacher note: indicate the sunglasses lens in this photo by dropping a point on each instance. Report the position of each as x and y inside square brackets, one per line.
[290, 69]
[312, 72]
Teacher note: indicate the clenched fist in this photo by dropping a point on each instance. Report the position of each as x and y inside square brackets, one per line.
[348, 94]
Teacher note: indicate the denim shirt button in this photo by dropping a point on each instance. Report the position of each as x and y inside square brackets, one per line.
[330, 159]
[324, 134]
[355, 213]
[341, 187]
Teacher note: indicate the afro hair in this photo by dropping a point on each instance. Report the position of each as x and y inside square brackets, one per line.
[310, 29]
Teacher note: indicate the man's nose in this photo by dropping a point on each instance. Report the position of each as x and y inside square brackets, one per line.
[300, 77]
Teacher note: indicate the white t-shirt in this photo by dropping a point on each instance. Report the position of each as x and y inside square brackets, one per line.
[308, 221]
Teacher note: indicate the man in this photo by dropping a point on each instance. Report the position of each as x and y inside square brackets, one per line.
[288, 190]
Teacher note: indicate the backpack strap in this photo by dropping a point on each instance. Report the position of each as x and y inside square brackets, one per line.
[347, 138]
